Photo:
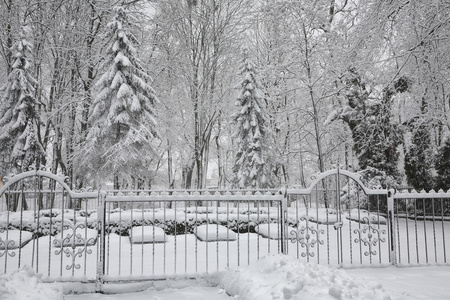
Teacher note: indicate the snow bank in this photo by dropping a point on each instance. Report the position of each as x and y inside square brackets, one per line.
[284, 277]
[214, 232]
[272, 231]
[147, 234]
[26, 284]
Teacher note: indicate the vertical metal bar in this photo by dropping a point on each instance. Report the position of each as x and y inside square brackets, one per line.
[175, 241]
[109, 236]
[268, 226]
[153, 237]
[318, 229]
[74, 236]
[51, 227]
[120, 237]
[8, 208]
[298, 225]
[398, 235]
[443, 230]
[228, 228]
[35, 204]
[142, 236]
[425, 230]
[164, 247]
[390, 204]
[131, 238]
[339, 216]
[350, 216]
[101, 221]
[38, 223]
[217, 233]
[248, 232]
[22, 196]
[238, 240]
[62, 245]
[207, 236]
[415, 229]
[359, 228]
[407, 231]
[196, 240]
[378, 227]
[258, 222]
[185, 237]
[434, 231]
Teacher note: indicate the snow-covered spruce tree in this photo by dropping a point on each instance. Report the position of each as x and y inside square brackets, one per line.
[123, 115]
[18, 117]
[442, 165]
[418, 159]
[249, 166]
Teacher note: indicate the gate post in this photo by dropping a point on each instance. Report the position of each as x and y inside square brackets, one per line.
[283, 222]
[101, 218]
[391, 232]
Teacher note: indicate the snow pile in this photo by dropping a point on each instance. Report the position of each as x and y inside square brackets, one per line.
[26, 284]
[284, 277]
[147, 234]
[214, 232]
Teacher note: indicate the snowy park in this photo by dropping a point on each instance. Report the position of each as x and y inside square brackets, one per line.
[204, 149]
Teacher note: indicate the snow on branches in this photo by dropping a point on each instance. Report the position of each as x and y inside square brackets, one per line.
[17, 109]
[123, 112]
[249, 163]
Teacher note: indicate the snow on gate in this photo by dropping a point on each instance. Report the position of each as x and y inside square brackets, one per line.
[132, 235]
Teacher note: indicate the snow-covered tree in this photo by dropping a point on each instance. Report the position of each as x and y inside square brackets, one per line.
[418, 160]
[375, 135]
[249, 164]
[18, 116]
[123, 114]
[442, 165]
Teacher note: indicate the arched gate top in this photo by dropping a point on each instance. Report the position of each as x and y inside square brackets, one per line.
[11, 179]
[355, 176]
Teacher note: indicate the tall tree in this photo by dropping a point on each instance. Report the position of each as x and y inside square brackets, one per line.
[123, 117]
[251, 138]
[442, 165]
[18, 118]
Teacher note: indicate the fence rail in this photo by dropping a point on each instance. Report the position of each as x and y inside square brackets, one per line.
[139, 235]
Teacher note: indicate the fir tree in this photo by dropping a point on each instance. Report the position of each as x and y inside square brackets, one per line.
[18, 116]
[249, 165]
[442, 165]
[123, 115]
[419, 159]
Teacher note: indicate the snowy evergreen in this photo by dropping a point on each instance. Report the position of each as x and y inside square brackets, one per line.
[442, 165]
[18, 116]
[249, 165]
[376, 136]
[418, 160]
[123, 115]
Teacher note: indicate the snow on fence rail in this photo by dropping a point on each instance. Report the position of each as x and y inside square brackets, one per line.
[131, 235]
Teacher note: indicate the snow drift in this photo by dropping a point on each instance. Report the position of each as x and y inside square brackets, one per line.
[284, 277]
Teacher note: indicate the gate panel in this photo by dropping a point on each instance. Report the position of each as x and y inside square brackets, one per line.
[45, 225]
[338, 221]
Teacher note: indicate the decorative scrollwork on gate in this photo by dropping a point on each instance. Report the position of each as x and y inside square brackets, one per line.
[6, 246]
[74, 244]
[307, 236]
[369, 236]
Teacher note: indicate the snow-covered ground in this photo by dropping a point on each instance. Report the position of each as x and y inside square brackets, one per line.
[273, 277]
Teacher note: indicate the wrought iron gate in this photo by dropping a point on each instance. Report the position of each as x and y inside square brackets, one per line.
[339, 221]
[39, 211]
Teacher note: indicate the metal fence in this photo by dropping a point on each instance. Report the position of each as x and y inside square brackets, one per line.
[140, 235]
